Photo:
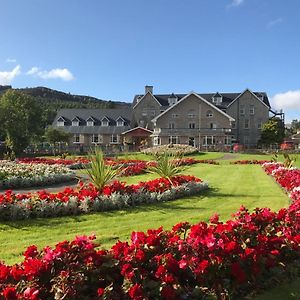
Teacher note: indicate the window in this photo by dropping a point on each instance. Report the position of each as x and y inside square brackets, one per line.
[90, 123]
[233, 125]
[192, 125]
[217, 99]
[115, 139]
[246, 140]
[209, 140]
[242, 110]
[174, 116]
[171, 125]
[246, 124]
[213, 126]
[173, 139]
[75, 123]
[104, 123]
[95, 139]
[100, 139]
[209, 114]
[120, 123]
[156, 141]
[251, 110]
[76, 138]
[191, 114]
[259, 124]
[60, 123]
[227, 140]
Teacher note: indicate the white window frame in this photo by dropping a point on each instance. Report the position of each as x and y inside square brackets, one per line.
[104, 123]
[156, 141]
[259, 125]
[212, 138]
[227, 140]
[173, 138]
[246, 124]
[233, 125]
[213, 126]
[251, 110]
[60, 123]
[171, 125]
[95, 139]
[242, 110]
[246, 140]
[192, 125]
[76, 138]
[174, 116]
[75, 123]
[113, 140]
[120, 123]
[90, 123]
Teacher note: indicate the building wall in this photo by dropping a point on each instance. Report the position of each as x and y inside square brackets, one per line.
[251, 135]
[145, 111]
[192, 110]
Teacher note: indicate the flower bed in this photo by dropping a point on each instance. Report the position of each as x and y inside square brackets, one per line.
[177, 149]
[287, 178]
[226, 260]
[14, 174]
[249, 162]
[77, 163]
[88, 199]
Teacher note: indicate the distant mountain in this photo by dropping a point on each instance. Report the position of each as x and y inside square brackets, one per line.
[52, 100]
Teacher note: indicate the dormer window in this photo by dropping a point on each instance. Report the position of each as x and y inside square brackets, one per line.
[90, 122]
[172, 99]
[105, 122]
[60, 122]
[75, 122]
[217, 98]
[120, 122]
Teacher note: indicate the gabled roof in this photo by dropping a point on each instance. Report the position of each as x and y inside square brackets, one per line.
[227, 98]
[61, 118]
[256, 95]
[199, 97]
[105, 117]
[139, 98]
[76, 118]
[91, 118]
[217, 94]
[138, 128]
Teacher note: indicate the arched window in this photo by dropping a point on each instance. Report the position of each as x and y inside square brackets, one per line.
[209, 114]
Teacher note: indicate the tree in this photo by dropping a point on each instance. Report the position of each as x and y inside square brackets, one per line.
[53, 136]
[272, 132]
[20, 119]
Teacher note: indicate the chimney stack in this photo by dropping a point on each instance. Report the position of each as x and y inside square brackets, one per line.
[148, 88]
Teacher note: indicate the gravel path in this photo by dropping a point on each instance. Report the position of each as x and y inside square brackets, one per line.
[228, 156]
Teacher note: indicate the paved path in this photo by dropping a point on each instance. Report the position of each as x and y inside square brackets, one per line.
[228, 156]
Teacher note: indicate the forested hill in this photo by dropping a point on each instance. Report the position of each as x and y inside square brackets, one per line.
[51, 100]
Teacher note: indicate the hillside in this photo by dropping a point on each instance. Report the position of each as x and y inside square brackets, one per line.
[52, 100]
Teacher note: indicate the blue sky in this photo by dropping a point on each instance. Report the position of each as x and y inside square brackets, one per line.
[112, 49]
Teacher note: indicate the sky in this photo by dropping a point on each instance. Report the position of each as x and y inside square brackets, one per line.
[112, 49]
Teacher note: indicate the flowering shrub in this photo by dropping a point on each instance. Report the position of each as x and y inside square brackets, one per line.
[21, 175]
[222, 260]
[85, 199]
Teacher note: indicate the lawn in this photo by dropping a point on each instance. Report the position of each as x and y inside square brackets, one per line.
[230, 187]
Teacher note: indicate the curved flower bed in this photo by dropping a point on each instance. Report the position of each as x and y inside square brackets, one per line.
[24, 175]
[287, 178]
[77, 163]
[225, 260]
[88, 199]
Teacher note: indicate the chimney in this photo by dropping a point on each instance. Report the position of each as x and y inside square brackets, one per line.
[148, 88]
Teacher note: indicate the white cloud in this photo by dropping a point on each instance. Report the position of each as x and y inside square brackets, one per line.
[274, 22]
[11, 60]
[6, 77]
[33, 71]
[287, 100]
[58, 73]
[236, 3]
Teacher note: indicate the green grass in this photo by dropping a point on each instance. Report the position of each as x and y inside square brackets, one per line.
[231, 186]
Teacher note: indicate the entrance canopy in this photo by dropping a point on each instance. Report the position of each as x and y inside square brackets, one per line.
[138, 132]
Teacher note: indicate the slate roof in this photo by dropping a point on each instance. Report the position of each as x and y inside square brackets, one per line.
[97, 114]
[227, 98]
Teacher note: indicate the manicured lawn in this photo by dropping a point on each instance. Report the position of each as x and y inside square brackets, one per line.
[231, 186]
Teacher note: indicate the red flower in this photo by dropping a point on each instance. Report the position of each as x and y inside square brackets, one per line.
[136, 292]
[100, 292]
[10, 293]
[31, 252]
